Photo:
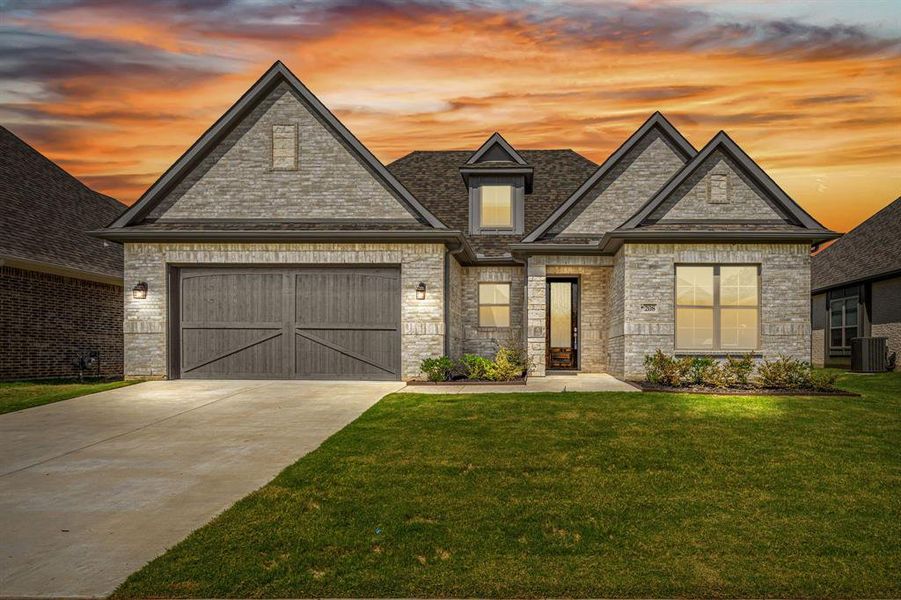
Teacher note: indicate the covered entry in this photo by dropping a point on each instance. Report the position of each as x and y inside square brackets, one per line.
[287, 323]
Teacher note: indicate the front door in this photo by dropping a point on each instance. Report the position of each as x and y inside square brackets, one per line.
[562, 323]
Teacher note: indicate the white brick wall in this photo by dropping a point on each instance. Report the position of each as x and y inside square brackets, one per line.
[146, 327]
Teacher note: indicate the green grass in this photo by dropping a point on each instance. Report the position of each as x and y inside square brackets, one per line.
[18, 395]
[571, 495]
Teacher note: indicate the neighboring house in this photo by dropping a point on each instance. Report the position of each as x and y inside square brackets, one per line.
[279, 246]
[856, 288]
[60, 288]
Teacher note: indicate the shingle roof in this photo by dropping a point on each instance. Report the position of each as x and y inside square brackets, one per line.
[45, 213]
[434, 178]
[871, 249]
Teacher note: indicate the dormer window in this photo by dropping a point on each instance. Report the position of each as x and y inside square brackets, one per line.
[496, 207]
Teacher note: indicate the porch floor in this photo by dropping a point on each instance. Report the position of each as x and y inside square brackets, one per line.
[581, 382]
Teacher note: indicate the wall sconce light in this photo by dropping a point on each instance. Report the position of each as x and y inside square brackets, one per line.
[420, 291]
[139, 292]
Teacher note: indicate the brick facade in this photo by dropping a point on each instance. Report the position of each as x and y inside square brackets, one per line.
[146, 321]
[484, 341]
[47, 320]
[649, 277]
[236, 180]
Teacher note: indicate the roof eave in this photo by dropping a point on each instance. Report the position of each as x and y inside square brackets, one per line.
[614, 239]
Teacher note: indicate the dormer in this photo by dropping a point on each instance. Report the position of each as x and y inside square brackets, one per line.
[498, 178]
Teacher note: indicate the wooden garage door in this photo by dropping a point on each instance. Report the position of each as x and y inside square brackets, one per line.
[303, 323]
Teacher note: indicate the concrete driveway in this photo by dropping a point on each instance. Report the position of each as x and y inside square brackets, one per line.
[93, 488]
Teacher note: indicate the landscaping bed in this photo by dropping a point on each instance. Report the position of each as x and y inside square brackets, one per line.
[464, 381]
[510, 366]
[752, 391]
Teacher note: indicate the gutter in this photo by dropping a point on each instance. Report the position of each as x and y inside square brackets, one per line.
[61, 270]
[611, 241]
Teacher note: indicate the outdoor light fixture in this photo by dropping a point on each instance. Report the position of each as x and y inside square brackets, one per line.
[420, 291]
[139, 292]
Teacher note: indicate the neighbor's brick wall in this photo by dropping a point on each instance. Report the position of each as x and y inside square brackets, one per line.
[237, 180]
[46, 320]
[146, 327]
[690, 200]
[622, 191]
[649, 278]
[596, 272]
[484, 341]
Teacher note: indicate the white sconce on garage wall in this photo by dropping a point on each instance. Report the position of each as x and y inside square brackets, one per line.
[139, 292]
[420, 291]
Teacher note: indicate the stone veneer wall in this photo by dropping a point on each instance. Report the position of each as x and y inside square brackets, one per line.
[146, 326]
[817, 347]
[649, 277]
[484, 341]
[596, 273]
[455, 308]
[47, 320]
[615, 338]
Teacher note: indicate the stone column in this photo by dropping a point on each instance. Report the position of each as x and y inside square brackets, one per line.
[536, 311]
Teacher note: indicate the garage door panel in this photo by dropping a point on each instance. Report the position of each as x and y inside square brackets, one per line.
[347, 354]
[233, 352]
[232, 297]
[315, 322]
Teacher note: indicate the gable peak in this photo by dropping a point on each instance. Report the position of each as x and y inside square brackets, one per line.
[493, 148]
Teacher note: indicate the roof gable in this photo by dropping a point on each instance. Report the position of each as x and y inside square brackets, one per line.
[722, 145]
[496, 149]
[657, 124]
[271, 89]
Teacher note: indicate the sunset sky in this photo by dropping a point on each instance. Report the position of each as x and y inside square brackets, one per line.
[116, 91]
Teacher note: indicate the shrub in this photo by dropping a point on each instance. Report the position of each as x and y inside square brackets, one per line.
[702, 367]
[477, 367]
[737, 371]
[663, 369]
[437, 368]
[823, 381]
[715, 375]
[509, 363]
[784, 373]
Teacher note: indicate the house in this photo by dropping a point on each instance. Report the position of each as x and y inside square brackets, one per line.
[856, 289]
[279, 246]
[60, 288]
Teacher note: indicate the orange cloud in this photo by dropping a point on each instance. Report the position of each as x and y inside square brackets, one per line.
[824, 124]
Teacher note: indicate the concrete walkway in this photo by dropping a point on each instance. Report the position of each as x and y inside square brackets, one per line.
[581, 382]
[93, 488]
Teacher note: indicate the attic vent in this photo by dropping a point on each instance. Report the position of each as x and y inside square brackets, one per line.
[284, 147]
[718, 189]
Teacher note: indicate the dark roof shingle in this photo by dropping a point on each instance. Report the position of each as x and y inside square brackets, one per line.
[45, 213]
[871, 249]
[434, 178]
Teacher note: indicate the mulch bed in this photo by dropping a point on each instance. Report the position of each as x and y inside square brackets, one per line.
[520, 381]
[696, 389]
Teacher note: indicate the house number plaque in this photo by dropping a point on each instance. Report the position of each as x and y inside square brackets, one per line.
[648, 308]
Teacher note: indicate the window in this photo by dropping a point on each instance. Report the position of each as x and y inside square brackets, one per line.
[284, 147]
[717, 307]
[496, 207]
[843, 324]
[494, 304]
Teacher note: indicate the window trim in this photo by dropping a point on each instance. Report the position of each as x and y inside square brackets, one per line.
[845, 349]
[509, 304]
[296, 140]
[517, 185]
[717, 309]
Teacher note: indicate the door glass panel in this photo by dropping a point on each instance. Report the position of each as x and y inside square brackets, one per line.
[694, 286]
[694, 328]
[561, 314]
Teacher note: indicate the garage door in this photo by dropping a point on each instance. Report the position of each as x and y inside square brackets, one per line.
[299, 323]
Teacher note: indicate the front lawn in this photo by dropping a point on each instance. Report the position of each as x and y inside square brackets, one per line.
[16, 395]
[571, 495]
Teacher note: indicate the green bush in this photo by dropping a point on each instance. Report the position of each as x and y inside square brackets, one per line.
[823, 381]
[702, 368]
[784, 373]
[437, 368]
[737, 371]
[508, 364]
[477, 367]
[663, 369]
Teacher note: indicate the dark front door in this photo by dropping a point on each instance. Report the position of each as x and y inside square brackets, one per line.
[562, 323]
[289, 323]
